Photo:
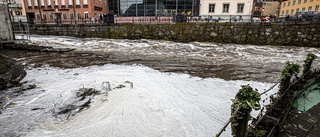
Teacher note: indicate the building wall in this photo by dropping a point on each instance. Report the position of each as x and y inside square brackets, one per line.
[270, 8]
[204, 8]
[292, 9]
[92, 8]
[5, 24]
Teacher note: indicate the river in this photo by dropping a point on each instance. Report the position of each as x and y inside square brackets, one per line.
[179, 89]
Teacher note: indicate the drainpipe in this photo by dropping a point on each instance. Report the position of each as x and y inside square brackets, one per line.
[74, 11]
[39, 5]
[176, 7]
[156, 8]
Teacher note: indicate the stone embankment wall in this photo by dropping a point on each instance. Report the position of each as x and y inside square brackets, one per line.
[5, 23]
[293, 34]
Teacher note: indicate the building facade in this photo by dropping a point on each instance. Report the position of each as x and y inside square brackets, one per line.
[263, 8]
[154, 7]
[226, 8]
[17, 10]
[50, 10]
[290, 7]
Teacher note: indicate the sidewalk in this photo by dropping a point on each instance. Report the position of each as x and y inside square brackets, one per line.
[302, 124]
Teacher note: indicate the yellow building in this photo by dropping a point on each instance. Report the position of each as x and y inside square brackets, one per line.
[17, 10]
[290, 7]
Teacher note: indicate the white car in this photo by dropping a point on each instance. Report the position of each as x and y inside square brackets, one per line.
[256, 20]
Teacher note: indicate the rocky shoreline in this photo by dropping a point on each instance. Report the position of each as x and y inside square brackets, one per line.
[26, 46]
[12, 73]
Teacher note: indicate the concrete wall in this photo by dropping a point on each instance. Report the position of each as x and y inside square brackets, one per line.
[5, 23]
[292, 34]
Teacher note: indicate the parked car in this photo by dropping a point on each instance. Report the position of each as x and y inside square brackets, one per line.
[304, 16]
[316, 18]
[256, 20]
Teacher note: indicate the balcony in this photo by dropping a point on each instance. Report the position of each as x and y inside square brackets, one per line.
[14, 6]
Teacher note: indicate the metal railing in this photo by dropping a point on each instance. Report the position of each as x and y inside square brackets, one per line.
[149, 19]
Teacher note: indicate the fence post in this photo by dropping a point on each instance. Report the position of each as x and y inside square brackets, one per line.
[307, 64]
[246, 100]
[287, 72]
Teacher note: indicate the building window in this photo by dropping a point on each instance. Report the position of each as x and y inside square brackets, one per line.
[86, 15]
[105, 3]
[50, 16]
[225, 8]
[49, 3]
[282, 13]
[70, 3]
[56, 3]
[71, 15]
[297, 10]
[292, 11]
[63, 3]
[44, 16]
[38, 16]
[85, 3]
[303, 9]
[287, 12]
[99, 2]
[64, 15]
[311, 0]
[299, 1]
[79, 15]
[29, 4]
[293, 3]
[284, 5]
[211, 7]
[42, 3]
[304, 1]
[95, 1]
[77, 3]
[36, 4]
[316, 8]
[288, 3]
[240, 8]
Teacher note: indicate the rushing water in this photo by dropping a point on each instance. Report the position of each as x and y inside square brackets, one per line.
[179, 89]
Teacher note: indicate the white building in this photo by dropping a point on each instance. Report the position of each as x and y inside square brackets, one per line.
[226, 9]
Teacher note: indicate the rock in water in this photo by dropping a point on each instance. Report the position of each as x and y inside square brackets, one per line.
[11, 72]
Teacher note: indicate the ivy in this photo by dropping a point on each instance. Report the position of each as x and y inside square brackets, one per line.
[287, 72]
[246, 99]
[307, 63]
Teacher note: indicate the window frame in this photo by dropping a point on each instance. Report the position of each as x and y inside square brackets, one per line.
[71, 15]
[86, 15]
[212, 10]
[242, 10]
[50, 16]
[227, 8]
[78, 17]
[44, 16]
[64, 16]
[38, 16]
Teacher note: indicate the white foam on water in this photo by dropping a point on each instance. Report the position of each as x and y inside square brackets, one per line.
[159, 104]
